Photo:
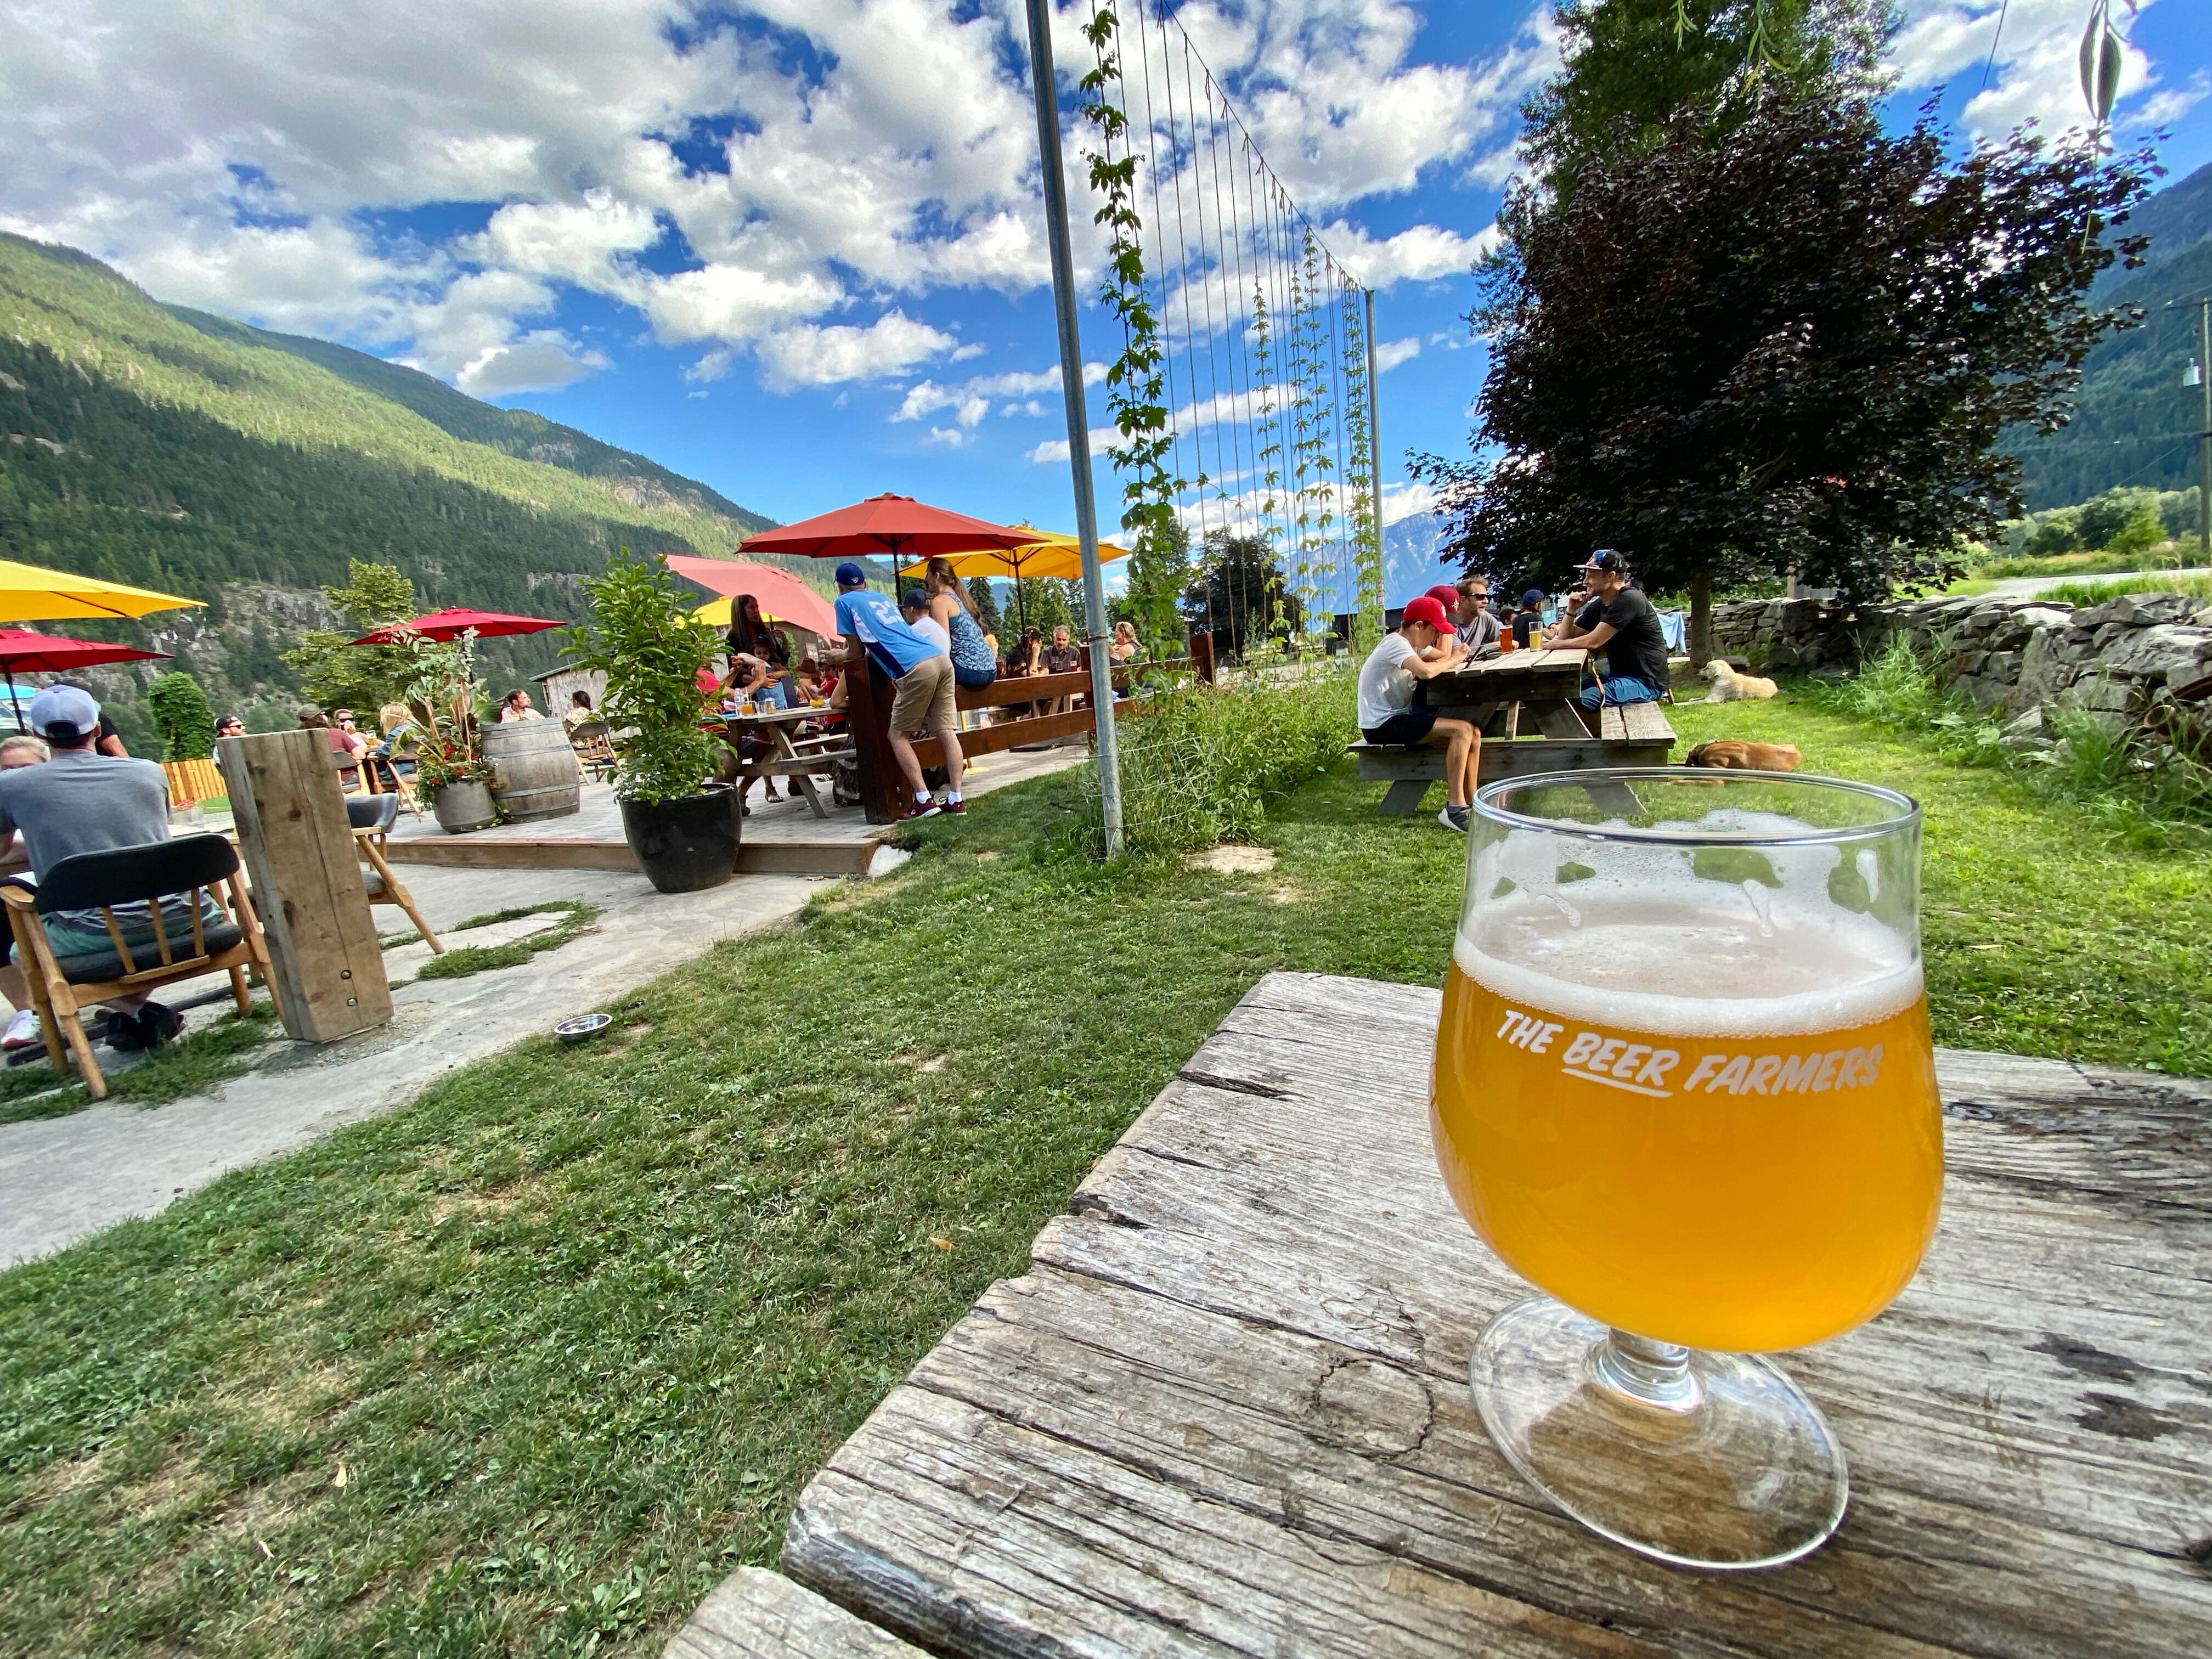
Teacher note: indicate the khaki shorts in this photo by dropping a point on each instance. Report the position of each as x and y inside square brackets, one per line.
[924, 697]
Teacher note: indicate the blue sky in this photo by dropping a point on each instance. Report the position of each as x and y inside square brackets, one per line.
[746, 242]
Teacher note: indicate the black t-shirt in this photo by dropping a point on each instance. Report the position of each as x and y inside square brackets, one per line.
[1526, 624]
[1637, 646]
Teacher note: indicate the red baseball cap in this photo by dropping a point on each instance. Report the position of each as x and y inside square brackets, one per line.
[1445, 595]
[1427, 609]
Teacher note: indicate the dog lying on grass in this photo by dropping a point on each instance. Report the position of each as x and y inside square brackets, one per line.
[1728, 686]
[1729, 755]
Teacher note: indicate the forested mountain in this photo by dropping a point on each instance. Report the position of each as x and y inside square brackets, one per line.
[175, 450]
[2136, 425]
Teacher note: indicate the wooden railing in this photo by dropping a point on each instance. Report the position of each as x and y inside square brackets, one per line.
[192, 781]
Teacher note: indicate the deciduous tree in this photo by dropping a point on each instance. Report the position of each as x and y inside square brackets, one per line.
[1790, 348]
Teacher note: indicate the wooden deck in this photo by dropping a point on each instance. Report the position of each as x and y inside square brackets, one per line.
[785, 839]
[1226, 1411]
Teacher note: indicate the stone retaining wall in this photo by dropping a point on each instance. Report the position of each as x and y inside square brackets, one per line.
[2011, 655]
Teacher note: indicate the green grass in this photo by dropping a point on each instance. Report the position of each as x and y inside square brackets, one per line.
[578, 1324]
[459, 961]
[193, 1064]
[2089, 592]
[2090, 562]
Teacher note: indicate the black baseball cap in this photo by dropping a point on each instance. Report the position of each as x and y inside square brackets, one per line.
[1610, 560]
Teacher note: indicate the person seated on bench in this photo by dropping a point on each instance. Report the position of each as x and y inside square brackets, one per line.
[1125, 645]
[974, 659]
[1529, 620]
[1622, 621]
[1476, 628]
[580, 711]
[83, 801]
[1387, 714]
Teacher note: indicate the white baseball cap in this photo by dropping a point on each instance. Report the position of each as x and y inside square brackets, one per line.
[66, 705]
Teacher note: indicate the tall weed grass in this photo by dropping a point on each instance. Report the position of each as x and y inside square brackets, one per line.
[1201, 765]
[2147, 795]
[2197, 587]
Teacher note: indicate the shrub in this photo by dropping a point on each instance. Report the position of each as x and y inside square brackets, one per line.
[644, 638]
[183, 717]
[1200, 766]
[2142, 532]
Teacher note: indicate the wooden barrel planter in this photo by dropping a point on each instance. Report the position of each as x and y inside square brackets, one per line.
[533, 770]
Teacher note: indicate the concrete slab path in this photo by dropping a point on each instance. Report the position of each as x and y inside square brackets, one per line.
[62, 1178]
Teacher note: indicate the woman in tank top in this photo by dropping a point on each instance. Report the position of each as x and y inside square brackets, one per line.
[973, 665]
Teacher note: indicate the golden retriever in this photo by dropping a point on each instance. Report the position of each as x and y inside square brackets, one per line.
[1728, 686]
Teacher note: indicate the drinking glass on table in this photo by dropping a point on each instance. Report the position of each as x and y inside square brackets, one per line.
[1684, 1084]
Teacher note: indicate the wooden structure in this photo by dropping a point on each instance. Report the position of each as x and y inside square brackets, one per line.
[799, 759]
[759, 1615]
[326, 968]
[63, 987]
[1227, 1411]
[372, 822]
[1637, 735]
[192, 781]
[883, 793]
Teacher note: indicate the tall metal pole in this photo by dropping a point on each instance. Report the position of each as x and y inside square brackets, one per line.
[1079, 420]
[2204, 431]
[1375, 457]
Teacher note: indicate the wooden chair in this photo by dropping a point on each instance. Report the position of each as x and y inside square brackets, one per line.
[372, 820]
[133, 879]
[595, 749]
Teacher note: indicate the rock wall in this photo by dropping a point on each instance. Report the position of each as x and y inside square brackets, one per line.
[2011, 655]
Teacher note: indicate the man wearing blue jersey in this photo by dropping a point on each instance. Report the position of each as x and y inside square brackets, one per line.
[922, 670]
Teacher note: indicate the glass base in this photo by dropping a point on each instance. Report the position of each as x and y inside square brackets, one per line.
[1700, 1460]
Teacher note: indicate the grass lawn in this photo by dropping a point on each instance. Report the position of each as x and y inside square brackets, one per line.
[529, 1366]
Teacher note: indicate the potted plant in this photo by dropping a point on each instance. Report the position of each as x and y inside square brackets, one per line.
[682, 829]
[447, 701]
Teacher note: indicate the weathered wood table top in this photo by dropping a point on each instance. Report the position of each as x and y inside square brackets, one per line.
[1542, 674]
[1227, 1411]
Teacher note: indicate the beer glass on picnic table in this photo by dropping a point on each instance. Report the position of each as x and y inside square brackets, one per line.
[1684, 1085]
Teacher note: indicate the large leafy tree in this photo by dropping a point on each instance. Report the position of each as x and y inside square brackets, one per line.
[340, 675]
[1788, 347]
[1240, 594]
[1629, 67]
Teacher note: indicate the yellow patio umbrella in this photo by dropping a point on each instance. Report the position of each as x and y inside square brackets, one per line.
[28, 593]
[1048, 555]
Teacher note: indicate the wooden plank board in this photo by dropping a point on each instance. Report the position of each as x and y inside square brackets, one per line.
[1225, 1412]
[1013, 734]
[759, 1615]
[299, 852]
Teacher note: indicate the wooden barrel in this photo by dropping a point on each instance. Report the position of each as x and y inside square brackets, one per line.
[533, 770]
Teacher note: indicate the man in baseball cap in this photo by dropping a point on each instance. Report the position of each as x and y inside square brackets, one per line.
[921, 672]
[1622, 622]
[1529, 620]
[83, 801]
[1386, 712]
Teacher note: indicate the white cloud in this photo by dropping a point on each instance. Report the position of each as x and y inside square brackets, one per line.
[1391, 353]
[1403, 501]
[972, 398]
[2037, 74]
[947, 437]
[542, 361]
[808, 355]
[1420, 254]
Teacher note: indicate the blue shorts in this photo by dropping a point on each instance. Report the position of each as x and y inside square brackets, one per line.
[1618, 690]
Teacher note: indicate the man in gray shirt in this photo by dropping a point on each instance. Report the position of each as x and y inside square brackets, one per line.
[83, 801]
[1477, 628]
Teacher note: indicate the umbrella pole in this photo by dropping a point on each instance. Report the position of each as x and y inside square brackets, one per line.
[14, 700]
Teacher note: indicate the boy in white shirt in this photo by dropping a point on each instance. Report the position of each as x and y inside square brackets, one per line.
[1386, 712]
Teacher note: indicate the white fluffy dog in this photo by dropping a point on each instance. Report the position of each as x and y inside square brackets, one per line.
[1728, 686]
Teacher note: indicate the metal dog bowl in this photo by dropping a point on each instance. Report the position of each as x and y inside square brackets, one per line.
[583, 1027]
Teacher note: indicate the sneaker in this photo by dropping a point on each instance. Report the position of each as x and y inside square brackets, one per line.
[158, 1025]
[122, 1032]
[920, 808]
[955, 805]
[22, 1031]
[1456, 817]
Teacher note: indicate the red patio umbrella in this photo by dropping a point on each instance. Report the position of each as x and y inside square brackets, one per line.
[51, 654]
[781, 595]
[897, 525]
[452, 624]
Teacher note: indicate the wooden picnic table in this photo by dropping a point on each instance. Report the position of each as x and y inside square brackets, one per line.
[789, 762]
[1497, 694]
[1226, 1410]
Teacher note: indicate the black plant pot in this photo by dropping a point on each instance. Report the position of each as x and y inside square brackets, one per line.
[685, 844]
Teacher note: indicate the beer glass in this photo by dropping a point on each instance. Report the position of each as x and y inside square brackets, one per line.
[1683, 1085]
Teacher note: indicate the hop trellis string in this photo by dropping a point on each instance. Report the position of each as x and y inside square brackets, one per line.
[1240, 398]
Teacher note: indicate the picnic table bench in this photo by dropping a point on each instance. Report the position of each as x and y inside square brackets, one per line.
[1523, 704]
[1226, 1410]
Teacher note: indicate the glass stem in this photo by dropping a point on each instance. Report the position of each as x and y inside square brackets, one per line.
[1655, 1374]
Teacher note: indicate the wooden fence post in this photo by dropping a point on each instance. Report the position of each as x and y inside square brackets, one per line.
[885, 797]
[299, 851]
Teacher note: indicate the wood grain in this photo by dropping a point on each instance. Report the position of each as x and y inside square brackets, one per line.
[1225, 1412]
[758, 1614]
[298, 848]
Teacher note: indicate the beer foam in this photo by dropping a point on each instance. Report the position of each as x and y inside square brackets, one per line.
[1690, 959]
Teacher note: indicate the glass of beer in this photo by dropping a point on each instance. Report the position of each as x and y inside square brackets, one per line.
[1683, 1085]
